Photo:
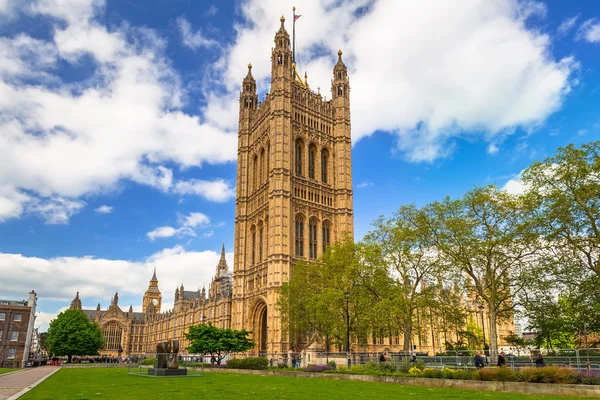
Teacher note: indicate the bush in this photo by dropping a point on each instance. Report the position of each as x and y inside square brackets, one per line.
[420, 364]
[432, 373]
[248, 363]
[502, 374]
[550, 374]
[148, 361]
[318, 368]
[332, 363]
[404, 367]
[414, 371]
[586, 378]
[464, 374]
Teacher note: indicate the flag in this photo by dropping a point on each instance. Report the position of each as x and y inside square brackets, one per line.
[296, 17]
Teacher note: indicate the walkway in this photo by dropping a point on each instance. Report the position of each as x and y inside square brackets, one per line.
[11, 384]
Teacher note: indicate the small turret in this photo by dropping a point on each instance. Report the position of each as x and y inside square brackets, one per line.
[339, 84]
[115, 301]
[281, 56]
[76, 303]
[176, 294]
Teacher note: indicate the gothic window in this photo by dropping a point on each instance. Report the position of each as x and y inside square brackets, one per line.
[312, 238]
[112, 336]
[326, 237]
[299, 236]
[260, 241]
[262, 166]
[253, 252]
[268, 161]
[340, 90]
[254, 173]
[324, 161]
[285, 61]
[312, 151]
[299, 157]
[279, 59]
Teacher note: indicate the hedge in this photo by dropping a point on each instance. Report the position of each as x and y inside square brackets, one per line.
[248, 363]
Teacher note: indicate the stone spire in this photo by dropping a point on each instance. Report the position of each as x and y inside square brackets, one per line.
[115, 301]
[76, 303]
[222, 265]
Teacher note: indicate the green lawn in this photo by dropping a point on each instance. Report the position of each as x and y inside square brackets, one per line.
[5, 370]
[109, 383]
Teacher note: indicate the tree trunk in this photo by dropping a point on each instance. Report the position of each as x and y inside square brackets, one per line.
[69, 359]
[407, 337]
[493, 334]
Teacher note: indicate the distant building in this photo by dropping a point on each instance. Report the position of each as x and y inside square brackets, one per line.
[17, 319]
[131, 333]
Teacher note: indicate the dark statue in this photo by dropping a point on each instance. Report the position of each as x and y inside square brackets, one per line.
[167, 354]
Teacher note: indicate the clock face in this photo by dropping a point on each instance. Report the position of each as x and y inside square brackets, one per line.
[155, 302]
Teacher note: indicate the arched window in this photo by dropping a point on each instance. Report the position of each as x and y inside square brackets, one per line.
[312, 153]
[260, 241]
[324, 164]
[299, 146]
[299, 236]
[112, 336]
[340, 90]
[326, 237]
[268, 165]
[261, 167]
[253, 236]
[312, 238]
[254, 173]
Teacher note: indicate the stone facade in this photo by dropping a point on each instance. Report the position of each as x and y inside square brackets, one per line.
[130, 333]
[294, 186]
[17, 319]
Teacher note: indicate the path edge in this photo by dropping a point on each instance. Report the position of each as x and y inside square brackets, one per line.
[28, 388]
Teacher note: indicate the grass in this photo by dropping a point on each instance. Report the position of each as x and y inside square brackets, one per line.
[109, 383]
[6, 370]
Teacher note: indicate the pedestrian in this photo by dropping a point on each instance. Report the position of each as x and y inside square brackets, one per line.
[413, 357]
[539, 360]
[501, 360]
[213, 360]
[293, 361]
[478, 361]
[382, 357]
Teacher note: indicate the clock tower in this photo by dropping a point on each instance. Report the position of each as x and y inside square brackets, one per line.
[152, 297]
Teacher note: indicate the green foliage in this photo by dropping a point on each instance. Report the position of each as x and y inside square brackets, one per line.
[497, 374]
[44, 342]
[257, 363]
[149, 361]
[549, 374]
[218, 342]
[432, 373]
[414, 371]
[72, 333]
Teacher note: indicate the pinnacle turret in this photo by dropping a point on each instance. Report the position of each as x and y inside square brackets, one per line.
[76, 303]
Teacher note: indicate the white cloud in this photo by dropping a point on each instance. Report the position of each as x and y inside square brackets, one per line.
[481, 71]
[589, 31]
[195, 219]
[193, 40]
[364, 184]
[582, 132]
[492, 148]
[129, 278]
[104, 209]
[515, 185]
[169, 231]
[219, 190]
[212, 10]
[566, 26]
[66, 140]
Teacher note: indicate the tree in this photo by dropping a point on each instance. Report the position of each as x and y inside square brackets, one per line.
[488, 236]
[519, 344]
[72, 334]
[44, 342]
[218, 342]
[403, 251]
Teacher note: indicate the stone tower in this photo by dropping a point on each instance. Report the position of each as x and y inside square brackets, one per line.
[294, 187]
[152, 296]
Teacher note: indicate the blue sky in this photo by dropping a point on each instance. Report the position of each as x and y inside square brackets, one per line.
[118, 121]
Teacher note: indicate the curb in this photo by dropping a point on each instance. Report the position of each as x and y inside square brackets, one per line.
[28, 388]
[15, 372]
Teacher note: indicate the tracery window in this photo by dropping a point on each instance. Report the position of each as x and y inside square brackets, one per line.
[324, 164]
[312, 151]
[312, 238]
[260, 241]
[326, 237]
[253, 236]
[112, 336]
[299, 236]
[261, 167]
[254, 173]
[299, 157]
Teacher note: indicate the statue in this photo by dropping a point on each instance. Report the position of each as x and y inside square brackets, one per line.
[167, 354]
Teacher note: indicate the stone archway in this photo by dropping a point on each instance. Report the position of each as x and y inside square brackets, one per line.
[260, 327]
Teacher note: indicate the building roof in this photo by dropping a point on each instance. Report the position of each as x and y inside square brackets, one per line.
[19, 303]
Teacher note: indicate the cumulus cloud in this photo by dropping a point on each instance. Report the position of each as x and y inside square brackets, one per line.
[104, 209]
[130, 278]
[481, 71]
[195, 219]
[589, 31]
[187, 225]
[515, 185]
[63, 140]
[219, 190]
[191, 39]
[566, 26]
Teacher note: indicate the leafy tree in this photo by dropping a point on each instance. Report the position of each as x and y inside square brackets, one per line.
[488, 237]
[218, 342]
[72, 334]
[520, 344]
[43, 342]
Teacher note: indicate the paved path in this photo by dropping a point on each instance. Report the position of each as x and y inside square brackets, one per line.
[13, 383]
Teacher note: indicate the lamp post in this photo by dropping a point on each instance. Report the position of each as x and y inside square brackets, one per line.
[481, 307]
[347, 297]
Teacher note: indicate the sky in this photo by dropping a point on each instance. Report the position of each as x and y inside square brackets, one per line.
[118, 121]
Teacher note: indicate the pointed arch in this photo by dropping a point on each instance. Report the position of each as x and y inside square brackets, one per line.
[260, 241]
[324, 165]
[299, 235]
[312, 155]
[298, 156]
[253, 245]
[312, 238]
[254, 173]
[325, 234]
[261, 167]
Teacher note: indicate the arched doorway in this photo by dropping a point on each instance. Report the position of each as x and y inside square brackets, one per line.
[260, 327]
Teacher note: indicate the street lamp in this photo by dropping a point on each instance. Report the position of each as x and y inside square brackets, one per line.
[481, 307]
[347, 297]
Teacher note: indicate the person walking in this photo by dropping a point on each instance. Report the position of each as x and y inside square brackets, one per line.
[501, 360]
[478, 361]
[539, 360]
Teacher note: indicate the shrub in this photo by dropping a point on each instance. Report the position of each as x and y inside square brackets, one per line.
[420, 364]
[432, 373]
[448, 373]
[414, 371]
[342, 369]
[357, 369]
[549, 374]
[464, 374]
[248, 363]
[404, 367]
[149, 361]
[586, 378]
[497, 374]
[318, 368]
[332, 363]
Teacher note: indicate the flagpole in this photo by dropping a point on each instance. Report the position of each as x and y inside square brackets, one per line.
[294, 35]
